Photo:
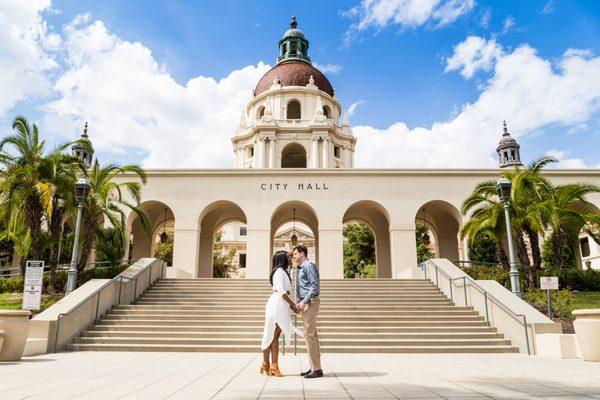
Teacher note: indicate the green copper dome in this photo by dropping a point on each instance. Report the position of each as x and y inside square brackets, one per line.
[293, 45]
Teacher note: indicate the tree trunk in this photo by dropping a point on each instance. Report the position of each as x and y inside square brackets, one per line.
[88, 235]
[558, 245]
[536, 254]
[33, 219]
[501, 255]
[523, 256]
[55, 229]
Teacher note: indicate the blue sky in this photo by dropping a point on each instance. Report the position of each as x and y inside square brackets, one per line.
[392, 63]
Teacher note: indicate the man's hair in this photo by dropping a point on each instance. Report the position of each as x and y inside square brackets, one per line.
[301, 249]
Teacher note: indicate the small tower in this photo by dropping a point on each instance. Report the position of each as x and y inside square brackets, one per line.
[79, 151]
[508, 150]
[293, 45]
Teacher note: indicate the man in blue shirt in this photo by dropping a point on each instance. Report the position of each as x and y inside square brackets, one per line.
[307, 291]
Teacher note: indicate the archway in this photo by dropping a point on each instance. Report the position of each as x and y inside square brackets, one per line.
[444, 221]
[374, 216]
[143, 242]
[298, 215]
[586, 250]
[212, 218]
[293, 156]
[294, 110]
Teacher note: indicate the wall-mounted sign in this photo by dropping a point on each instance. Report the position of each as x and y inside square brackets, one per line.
[32, 289]
[294, 186]
[549, 282]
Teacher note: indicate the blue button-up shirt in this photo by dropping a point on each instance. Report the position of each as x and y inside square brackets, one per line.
[308, 284]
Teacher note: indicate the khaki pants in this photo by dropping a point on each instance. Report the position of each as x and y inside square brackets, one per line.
[309, 320]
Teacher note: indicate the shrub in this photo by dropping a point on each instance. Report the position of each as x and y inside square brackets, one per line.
[560, 299]
[100, 273]
[164, 251]
[11, 285]
[369, 271]
[489, 272]
[576, 279]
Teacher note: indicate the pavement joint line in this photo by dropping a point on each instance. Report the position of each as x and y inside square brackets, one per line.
[233, 377]
[195, 380]
[340, 382]
[375, 380]
[126, 377]
[167, 376]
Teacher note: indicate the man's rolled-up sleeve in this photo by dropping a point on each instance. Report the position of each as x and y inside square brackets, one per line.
[313, 279]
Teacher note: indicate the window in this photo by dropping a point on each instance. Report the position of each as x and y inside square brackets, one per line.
[327, 111]
[242, 260]
[293, 110]
[294, 48]
[337, 151]
[250, 151]
[584, 244]
[261, 112]
[243, 231]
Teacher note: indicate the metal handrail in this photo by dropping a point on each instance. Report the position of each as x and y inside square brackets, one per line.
[486, 296]
[98, 292]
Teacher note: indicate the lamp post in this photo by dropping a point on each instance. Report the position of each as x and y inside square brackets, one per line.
[82, 187]
[503, 188]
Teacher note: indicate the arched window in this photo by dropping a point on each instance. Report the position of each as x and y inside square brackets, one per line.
[327, 111]
[293, 156]
[293, 110]
[261, 112]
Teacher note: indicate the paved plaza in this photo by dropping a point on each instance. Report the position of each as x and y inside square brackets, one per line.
[106, 375]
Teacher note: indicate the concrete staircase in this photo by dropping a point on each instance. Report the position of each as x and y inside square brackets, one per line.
[356, 316]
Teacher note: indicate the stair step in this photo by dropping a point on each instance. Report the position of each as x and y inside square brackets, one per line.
[324, 349]
[258, 328]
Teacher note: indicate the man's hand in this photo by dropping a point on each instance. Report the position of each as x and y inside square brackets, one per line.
[302, 306]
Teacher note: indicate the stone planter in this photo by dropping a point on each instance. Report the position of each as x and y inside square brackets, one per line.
[15, 325]
[587, 330]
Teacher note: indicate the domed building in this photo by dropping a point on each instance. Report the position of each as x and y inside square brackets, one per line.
[294, 119]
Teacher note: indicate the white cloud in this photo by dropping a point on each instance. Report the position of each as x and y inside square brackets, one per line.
[548, 7]
[474, 54]
[380, 14]
[486, 17]
[132, 103]
[24, 57]
[569, 163]
[328, 68]
[525, 89]
[508, 23]
[354, 106]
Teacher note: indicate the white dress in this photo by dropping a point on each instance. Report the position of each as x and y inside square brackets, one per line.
[277, 310]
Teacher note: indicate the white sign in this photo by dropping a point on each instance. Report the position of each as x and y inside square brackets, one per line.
[549, 282]
[32, 290]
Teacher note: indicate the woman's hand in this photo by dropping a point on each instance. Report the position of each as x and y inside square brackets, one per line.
[293, 308]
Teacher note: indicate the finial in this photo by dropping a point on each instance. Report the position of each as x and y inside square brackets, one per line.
[85, 129]
[293, 23]
[505, 130]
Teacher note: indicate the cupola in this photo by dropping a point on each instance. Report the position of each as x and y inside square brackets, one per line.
[508, 150]
[293, 45]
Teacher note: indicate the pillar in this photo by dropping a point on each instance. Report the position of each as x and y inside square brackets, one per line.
[315, 153]
[382, 251]
[258, 252]
[185, 249]
[259, 156]
[403, 245]
[272, 153]
[325, 153]
[205, 256]
[347, 157]
[331, 251]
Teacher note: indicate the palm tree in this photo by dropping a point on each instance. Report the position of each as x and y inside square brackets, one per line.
[106, 201]
[565, 211]
[25, 178]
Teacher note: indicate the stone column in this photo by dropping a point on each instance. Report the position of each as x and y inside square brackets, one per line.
[205, 256]
[185, 250]
[315, 153]
[403, 245]
[272, 153]
[347, 157]
[331, 249]
[384, 263]
[259, 154]
[258, 252]
[326, 153]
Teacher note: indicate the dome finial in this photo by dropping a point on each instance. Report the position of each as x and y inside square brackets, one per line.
[85, 129]
[293, 23]
[505, 129]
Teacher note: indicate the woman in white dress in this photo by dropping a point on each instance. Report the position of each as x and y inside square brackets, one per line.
[277, 314]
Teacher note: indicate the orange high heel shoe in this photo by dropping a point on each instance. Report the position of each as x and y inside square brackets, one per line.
[266, 368]
[275, 370]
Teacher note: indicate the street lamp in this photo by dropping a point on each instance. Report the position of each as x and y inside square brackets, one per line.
[294, 236]
[82, 187]
[503, 188]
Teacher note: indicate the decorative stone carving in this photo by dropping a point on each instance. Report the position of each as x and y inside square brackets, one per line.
[243, 120]
[311, 83]
[276, 84]
[268, 117]
[345, 122]
[319, 114]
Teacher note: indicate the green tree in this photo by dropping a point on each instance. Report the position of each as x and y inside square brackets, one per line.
[110, 246]
[423, 242]
[483, 248]
[567, 257]
[164, 251]
[359, 248]
[105, 201]
[223, 265]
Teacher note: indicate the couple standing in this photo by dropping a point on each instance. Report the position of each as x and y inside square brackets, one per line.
[277, 311]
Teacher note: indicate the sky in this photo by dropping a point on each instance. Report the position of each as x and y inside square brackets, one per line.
[427, 83]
